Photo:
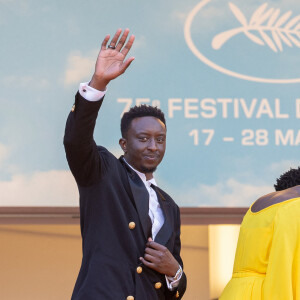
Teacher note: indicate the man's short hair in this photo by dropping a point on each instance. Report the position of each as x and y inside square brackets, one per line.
[288, 179]
[138, 112]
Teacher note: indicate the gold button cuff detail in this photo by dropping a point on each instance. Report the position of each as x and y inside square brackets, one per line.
[177, 294]
[157, 285]
[131, 225]
[139, 270]
[73, 108]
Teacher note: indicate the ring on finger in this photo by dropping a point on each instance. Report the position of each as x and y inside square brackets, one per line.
[111, 47]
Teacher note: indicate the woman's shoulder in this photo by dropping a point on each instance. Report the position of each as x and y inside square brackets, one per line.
[279, 198]
[275, 213]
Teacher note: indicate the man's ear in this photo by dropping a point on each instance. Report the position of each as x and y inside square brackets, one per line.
[123, 144]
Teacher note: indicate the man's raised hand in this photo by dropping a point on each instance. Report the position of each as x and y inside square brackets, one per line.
[111, 61]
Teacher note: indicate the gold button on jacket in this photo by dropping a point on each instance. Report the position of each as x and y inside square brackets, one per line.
[139, 270]
[130, 298]
[157, 285]
[177, 294]
[131, 225]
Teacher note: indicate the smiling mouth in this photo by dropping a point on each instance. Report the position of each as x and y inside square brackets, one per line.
[151, 157]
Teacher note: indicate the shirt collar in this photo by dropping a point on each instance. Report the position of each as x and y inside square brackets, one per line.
[142, 175]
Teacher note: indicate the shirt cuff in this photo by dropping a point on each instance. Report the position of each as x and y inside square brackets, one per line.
[89, 93]
[173, 282]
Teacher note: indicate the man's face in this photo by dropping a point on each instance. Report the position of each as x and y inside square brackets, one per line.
[145, 144]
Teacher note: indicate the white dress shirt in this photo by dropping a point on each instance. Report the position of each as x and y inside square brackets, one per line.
[155, 212]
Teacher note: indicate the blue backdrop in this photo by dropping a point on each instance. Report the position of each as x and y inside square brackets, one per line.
[226, 74]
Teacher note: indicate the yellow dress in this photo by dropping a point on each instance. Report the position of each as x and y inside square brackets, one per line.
[267, 259]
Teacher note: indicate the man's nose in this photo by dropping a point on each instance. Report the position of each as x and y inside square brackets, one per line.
[152, 145]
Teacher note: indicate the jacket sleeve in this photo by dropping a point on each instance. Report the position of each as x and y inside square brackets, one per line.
[180, 289]
[283, 272]
[81, 149]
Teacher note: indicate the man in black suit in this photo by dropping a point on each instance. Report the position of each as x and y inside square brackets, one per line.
[130, 228]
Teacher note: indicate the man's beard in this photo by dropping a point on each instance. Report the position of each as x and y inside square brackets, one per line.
[147, 170]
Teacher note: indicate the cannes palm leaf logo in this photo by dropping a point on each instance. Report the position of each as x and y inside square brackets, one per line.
[266, 27]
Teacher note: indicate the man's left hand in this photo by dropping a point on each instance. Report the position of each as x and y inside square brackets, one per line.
[159, 258]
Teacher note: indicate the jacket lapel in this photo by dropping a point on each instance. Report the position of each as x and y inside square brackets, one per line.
[165, 232]
[140, 196]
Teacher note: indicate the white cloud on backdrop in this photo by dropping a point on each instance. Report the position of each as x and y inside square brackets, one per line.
[116, 151]
[51, 188]
[79, 67]
[227, 193]
[233, 191]
[278, 168]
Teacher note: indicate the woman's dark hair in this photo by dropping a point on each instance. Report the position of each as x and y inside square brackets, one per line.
[288, 179]
[138, 112]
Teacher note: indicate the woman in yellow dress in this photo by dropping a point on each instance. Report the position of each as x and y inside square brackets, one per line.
[267, 259]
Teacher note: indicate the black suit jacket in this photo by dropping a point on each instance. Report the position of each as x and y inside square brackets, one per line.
[111, 197]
